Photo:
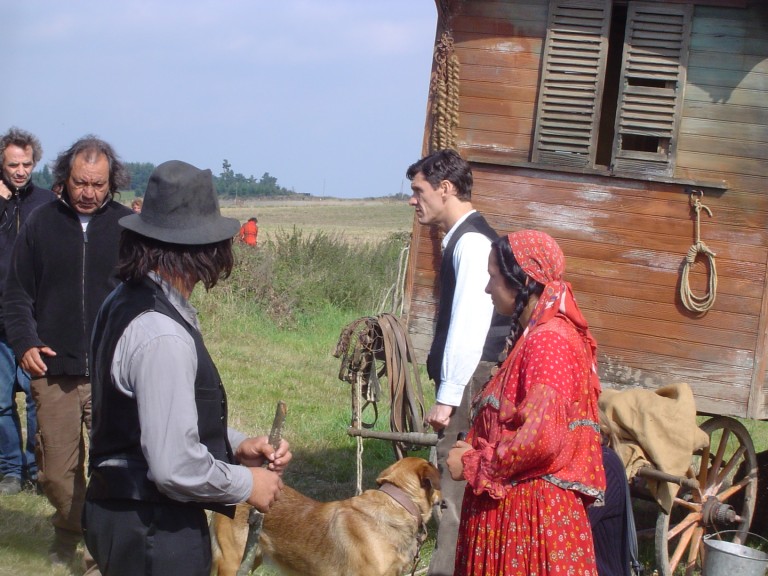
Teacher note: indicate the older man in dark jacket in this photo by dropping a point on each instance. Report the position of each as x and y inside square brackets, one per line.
[62, 269]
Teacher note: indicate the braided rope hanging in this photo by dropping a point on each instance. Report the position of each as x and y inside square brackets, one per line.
[444, 88]
[692, 302]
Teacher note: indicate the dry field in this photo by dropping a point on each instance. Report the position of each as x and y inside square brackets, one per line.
[357, 220]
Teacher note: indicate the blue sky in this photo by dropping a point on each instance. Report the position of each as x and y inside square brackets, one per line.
[328, 96]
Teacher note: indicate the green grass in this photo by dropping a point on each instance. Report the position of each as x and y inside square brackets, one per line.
[276, 344]
[270, 345]
[260, 364]
[25, 534]
[263, 363]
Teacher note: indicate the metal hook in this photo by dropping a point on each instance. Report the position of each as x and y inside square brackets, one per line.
[692, 192]
[696, 203]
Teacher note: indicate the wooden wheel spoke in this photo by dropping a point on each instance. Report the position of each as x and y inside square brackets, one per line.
[696, 493]
[683, 525]
[725, 470]
[720, 452]
[733, 461]
[682, 545]
[735, 489]
[703, 467]
[693, 506]
[693, 550]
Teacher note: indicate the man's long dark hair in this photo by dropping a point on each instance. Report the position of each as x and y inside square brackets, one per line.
[188, 264]
[119, 177]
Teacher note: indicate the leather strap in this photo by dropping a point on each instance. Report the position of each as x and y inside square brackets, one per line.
[399, 496]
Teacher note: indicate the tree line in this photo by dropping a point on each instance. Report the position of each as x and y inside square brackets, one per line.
[228, 183]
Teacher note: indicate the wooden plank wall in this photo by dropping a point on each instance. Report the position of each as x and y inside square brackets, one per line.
[625, 240]
[499, 47]
[724, 132]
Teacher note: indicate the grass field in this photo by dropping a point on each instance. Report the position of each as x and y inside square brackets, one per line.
[262, 362]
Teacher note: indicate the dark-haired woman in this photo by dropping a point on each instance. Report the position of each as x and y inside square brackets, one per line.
[532, 460]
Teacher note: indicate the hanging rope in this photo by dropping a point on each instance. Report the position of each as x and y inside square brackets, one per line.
[691, 301]
[357, 418]
[444, 88]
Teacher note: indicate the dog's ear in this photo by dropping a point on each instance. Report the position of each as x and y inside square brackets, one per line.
[412, 471]
[430, 476]
[386, 474]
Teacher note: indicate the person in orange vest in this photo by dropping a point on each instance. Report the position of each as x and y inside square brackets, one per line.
[249, 231]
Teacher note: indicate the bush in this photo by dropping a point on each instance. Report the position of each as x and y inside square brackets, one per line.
[292, 274]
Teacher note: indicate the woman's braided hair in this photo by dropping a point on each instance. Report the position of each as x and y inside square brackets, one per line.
[517, 279]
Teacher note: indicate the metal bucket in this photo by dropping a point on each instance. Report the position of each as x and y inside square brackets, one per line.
[723, 558]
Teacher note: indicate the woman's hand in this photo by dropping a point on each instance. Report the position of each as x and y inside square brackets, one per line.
[454, 463]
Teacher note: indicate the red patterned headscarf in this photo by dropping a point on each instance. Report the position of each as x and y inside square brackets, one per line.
[541, 258]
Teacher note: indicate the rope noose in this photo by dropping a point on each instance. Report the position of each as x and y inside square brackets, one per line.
[692, 302]
[445, 95]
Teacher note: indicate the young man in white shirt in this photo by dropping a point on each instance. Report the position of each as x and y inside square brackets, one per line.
[468, 335]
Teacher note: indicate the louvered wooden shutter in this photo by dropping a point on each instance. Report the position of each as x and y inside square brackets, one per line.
[651, 91]
[571, 86]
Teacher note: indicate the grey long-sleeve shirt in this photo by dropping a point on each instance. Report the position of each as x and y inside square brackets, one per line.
[155, 362]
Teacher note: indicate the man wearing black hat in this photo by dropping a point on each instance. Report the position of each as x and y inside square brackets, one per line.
[161, 452]
[62, 268]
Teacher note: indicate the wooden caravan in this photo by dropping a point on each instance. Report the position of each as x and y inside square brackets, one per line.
[627, 130]
[636, 134]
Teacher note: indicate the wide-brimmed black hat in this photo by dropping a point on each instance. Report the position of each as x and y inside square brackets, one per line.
[181, 207]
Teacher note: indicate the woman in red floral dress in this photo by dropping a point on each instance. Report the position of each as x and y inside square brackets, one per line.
[532, 459]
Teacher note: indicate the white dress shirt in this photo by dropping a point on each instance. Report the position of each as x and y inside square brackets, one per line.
[470, 316]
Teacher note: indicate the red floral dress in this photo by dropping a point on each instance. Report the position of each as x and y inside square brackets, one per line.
[536, 462]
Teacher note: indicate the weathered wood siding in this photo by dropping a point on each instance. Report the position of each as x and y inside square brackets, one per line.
[626, 239]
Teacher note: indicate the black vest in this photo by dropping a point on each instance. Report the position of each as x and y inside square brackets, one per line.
[499, 328]
[116, 431]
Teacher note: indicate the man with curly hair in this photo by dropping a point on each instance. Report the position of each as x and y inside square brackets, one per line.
[63, 266]
[20, 152]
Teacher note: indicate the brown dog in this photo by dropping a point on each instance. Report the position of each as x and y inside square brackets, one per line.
[374, 534]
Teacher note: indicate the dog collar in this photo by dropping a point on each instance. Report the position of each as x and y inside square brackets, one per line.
[399, 496]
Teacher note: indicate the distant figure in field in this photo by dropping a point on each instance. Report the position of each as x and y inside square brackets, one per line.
[249, 231]
[136, 205]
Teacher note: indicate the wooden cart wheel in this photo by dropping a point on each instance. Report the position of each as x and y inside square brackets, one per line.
[727, 475]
